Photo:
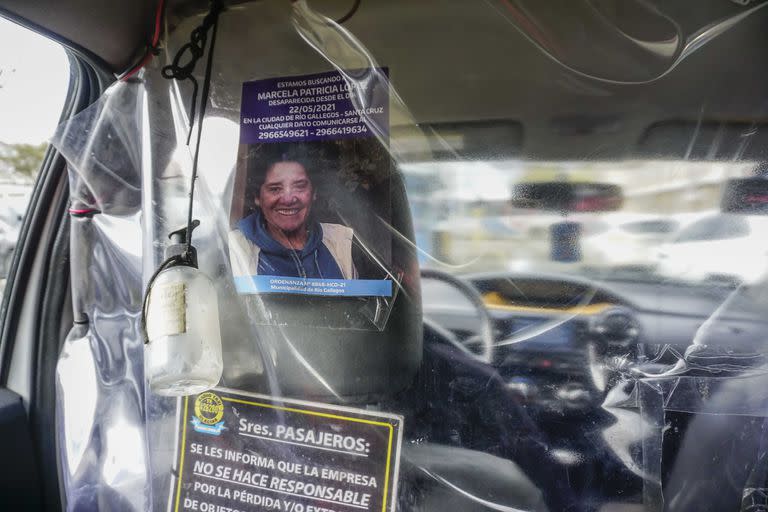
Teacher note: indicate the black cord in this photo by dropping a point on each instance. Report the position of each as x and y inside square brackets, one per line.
[214, 14]
[351, 12]
[172, 261]
[196, 48]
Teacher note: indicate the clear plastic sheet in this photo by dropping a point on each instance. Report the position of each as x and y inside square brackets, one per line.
[521, 389]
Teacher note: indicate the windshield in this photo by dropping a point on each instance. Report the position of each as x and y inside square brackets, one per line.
[466, 219]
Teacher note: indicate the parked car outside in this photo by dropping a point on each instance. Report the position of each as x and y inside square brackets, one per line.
[628, 240]
[722, 246]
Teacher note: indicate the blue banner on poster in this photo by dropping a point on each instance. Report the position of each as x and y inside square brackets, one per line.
[304, 286]
[214, 430]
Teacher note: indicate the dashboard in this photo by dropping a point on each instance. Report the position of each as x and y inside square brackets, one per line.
[560, 341]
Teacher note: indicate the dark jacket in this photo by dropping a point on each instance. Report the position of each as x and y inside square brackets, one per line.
[313, 261]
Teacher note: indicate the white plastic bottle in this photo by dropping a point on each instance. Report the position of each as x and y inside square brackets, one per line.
[183, 351]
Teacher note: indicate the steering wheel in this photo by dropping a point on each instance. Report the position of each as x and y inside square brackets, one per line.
[480, 346]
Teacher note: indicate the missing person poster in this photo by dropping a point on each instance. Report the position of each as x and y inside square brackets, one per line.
[245, 452]
[312, 190]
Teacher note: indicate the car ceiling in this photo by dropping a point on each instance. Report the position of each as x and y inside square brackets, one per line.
[455, 61]
[114, 31]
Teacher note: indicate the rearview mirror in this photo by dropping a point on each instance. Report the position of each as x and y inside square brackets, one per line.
[746, 196]
[568, 197]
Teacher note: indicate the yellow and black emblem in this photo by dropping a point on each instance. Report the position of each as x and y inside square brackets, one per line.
[209, 408]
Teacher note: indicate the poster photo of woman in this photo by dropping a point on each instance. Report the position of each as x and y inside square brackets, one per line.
[281, 237]
[293, 221]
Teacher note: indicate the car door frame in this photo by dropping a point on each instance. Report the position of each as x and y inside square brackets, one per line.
[36, 311]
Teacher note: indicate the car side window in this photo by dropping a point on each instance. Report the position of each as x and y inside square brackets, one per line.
[33, 87]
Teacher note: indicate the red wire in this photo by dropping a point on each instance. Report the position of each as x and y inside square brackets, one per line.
[155, 40]
[82, 211]
[158, 24]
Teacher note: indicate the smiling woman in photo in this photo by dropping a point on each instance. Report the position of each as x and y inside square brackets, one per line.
[281, 237]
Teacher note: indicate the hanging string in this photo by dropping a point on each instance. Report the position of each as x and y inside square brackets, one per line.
[177, 70]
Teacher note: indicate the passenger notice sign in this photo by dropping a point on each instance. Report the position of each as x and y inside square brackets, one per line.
[245, 452]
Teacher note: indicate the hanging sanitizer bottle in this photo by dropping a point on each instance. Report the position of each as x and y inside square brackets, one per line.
[181, 321]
